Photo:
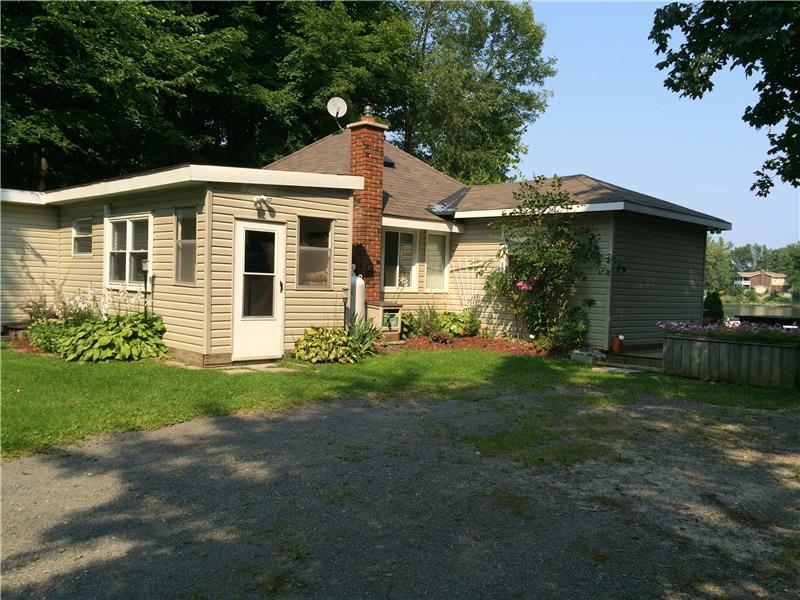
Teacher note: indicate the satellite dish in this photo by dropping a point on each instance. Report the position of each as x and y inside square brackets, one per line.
[337, 107]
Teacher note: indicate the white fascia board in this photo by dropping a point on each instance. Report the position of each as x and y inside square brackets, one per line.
[203, 174]
[406, 223]
[21, 196]
[504, 212]
[212, 174]
[709, 222]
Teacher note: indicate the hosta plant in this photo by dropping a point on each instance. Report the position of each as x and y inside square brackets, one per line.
[328, 344]
[121, 337]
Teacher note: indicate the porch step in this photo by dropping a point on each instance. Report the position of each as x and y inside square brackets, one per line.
[645, 360]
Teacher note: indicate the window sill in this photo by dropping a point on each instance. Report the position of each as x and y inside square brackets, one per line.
[396, 290]
[129, 287]
[315, 288]
[89, 255]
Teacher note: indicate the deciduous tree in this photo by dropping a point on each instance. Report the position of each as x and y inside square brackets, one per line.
[763, 38]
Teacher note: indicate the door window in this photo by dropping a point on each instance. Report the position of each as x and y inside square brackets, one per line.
[258, 297]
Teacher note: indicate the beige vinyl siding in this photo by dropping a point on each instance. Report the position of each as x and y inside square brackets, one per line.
[29, 257]
[304, 307]
[663, 277]
[597, 285]
[478, 244]
[181, 306]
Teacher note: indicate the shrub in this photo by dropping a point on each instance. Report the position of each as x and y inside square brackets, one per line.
[38, 309]
[569, 332]
[409, 326]
[46, 334]
[428, 320]
[440, 337]
[463, 324]
[121, 337]
[363, 333]
[546, 253]
[329, 344]
[713, 306]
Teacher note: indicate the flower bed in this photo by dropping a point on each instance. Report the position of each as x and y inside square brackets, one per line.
[506, 346]
[747, 332]
[751, 354]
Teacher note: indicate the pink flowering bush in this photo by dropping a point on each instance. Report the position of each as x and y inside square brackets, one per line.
[744, 331]
[546, 252]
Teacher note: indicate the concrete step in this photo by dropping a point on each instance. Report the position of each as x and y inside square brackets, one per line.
[646, 361]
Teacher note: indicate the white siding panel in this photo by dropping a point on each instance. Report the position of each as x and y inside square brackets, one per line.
[303, 307]
[181, 306]
[29, 257]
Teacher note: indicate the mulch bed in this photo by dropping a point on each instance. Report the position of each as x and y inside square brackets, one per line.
[20, 343]
[506, 346]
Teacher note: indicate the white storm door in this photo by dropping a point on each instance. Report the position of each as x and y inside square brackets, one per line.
[258, 286]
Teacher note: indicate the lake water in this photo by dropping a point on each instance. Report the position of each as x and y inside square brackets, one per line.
[762, 310]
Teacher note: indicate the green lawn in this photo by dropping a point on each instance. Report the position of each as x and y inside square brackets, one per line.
[47, 402]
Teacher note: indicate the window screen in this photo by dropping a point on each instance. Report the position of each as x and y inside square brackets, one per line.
[186, 246]
[82, 236]
[314, 252]
[435, 261]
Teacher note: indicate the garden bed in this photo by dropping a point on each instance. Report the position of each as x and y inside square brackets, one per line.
[503, 345]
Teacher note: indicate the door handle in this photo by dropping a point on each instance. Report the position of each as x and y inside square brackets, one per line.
[281, 286]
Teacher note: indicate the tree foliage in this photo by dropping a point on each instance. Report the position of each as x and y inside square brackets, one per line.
[763, 38]
[724, 260]
[545, 254]
[98, 89]
[476, 82]
[751, 257]
[719, 272]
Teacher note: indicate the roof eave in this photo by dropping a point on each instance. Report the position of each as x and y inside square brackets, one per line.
[189, 174]
[708, 221]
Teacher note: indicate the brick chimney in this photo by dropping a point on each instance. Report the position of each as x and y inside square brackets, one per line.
[366, 159]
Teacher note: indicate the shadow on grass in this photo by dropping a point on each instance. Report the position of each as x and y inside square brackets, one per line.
[357, 498]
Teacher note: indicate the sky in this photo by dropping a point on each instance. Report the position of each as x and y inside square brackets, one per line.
[610, 117]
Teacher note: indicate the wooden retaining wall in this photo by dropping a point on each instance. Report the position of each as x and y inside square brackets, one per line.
[755, 363]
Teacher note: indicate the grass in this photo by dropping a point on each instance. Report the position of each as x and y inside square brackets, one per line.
[510, 503]
[47, 402]
[555, 435]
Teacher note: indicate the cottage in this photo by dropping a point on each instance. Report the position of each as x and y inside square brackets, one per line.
[762, 282]
[274, 245]
[418, 232]
[243, 260]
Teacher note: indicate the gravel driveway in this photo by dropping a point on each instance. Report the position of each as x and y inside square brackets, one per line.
[361, 499]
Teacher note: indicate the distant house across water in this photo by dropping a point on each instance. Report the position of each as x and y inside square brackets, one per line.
[762, 282]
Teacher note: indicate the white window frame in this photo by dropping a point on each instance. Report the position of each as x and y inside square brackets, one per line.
[445, 281]
[129, 217]
[75, 235]
[179, 213]
[414, 283]
[332, 223]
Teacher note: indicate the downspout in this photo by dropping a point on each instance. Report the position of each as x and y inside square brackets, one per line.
[209, 210]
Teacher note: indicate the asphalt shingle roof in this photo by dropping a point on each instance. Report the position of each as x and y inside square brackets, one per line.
[414, 189]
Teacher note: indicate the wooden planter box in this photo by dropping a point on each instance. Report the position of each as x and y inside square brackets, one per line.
[388, 317]
[766, 364]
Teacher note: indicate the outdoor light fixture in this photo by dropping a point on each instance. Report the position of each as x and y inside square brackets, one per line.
[146, 271]
[262, 202]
